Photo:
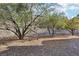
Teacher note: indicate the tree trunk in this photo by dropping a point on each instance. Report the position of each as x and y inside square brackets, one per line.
[53, 31]
[21, 37]
[49, 31]
[72, 31]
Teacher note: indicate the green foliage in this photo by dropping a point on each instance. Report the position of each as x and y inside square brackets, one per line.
[17, 18]
[61, 22]
[73, 23]
[9, 11]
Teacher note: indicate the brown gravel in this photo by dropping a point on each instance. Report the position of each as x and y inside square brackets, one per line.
[56, 46]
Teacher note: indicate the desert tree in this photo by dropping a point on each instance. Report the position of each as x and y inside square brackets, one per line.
[54, 21]
[72, 25]
[18, 18]
[46, 20]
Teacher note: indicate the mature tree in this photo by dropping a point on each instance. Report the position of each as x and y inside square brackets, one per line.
[72, 25]
[55, 21]
[18, 18]
[52, 21]
[44, 21]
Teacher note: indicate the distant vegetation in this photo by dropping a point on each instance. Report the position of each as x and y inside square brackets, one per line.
[23, 18]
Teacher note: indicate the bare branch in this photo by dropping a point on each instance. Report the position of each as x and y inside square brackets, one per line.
[26, 27]
[9, 30]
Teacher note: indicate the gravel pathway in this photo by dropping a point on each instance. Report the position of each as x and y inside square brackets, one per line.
[42, 47]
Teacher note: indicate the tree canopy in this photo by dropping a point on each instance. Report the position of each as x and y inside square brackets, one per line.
[21, 18]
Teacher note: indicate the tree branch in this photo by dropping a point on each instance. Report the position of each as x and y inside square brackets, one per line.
[26, 27]
[9, 30]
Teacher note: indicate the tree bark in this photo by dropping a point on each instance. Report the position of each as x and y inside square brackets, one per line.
[21, 37]
[53, 31]
[49, 31]
[72, 31]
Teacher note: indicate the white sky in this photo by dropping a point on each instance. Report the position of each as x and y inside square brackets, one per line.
[71, 9]
[40, 1]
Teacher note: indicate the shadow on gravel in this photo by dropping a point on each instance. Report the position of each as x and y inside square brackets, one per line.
[49, 48]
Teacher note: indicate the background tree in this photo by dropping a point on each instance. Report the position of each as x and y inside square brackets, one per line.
[50, 18]
[56, 20]
[72, 25]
